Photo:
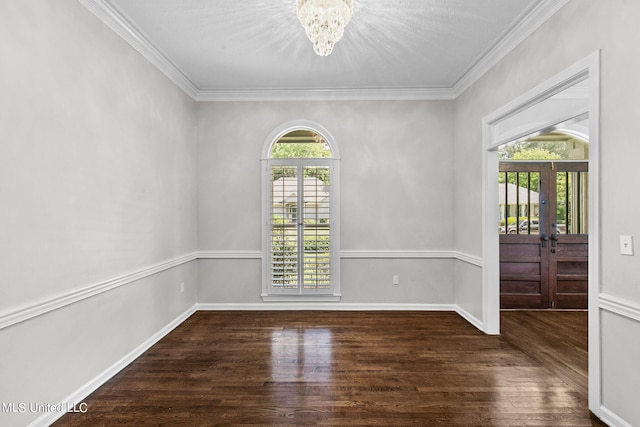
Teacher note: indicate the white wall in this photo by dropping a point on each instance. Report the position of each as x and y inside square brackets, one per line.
[395, 195]
[97, 182]
[580, 28]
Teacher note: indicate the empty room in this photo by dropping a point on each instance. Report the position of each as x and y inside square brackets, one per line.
[319, 212]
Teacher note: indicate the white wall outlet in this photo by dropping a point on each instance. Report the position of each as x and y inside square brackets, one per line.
[626, 245]
[181, 287]
[396, 279]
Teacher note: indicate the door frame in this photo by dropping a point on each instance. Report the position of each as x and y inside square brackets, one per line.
[587, 68]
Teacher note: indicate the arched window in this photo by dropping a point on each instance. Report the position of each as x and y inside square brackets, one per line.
[300, 204]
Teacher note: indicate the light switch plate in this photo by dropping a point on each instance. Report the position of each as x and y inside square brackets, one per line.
[626, 245]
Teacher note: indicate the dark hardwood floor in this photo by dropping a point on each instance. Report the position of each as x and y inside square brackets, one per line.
[353, 368]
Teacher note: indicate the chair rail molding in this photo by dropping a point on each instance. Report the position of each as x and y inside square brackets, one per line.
[460, 256]
[621, 306]
[54, 302]
[33, 309]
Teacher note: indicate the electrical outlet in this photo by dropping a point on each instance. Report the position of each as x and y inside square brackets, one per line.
[181, 287]
[626, 245]
[396, 279]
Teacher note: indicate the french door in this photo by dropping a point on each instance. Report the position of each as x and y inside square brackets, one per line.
[544, 234]
[300, 223]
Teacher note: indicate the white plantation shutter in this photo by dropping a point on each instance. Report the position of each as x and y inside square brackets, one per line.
[284, 228]
[316, 228]
[301, 252]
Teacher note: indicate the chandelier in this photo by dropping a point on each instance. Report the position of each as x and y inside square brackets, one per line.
[324, 22]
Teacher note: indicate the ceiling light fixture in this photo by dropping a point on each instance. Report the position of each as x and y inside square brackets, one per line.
[324, 21]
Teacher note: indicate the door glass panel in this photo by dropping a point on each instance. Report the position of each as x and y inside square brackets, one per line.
[519, 202]
[571, 207]
[284, 227]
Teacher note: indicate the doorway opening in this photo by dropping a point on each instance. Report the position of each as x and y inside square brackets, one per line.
[576, 89]
[543, 195]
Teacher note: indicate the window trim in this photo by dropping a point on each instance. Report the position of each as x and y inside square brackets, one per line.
[333, 294]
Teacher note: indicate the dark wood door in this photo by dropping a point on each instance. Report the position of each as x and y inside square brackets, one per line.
[569, 238]
[543, 236]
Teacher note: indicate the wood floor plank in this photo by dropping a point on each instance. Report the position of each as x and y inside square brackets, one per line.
[352, 368]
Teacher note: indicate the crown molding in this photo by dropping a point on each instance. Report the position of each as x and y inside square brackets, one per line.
[528, 22]
[124, 27]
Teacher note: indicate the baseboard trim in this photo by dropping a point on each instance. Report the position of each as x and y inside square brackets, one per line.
[470, 318]
[74, 399]
[29, 311]
[621, 306]
[611, 419]
[282, 306]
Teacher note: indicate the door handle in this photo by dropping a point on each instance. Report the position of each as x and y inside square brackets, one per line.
[543, 239]
[554, 239]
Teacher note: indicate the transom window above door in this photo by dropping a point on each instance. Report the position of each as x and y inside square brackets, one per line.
[300, 217]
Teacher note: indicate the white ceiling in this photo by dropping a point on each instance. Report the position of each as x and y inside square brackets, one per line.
[257, 49]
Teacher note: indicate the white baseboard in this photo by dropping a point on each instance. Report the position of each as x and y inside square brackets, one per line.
[275, 306]
[75, 398]
[470, 318]
[343, 307]
[611, 419]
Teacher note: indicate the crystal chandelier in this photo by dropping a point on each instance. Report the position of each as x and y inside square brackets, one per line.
[324, 22]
